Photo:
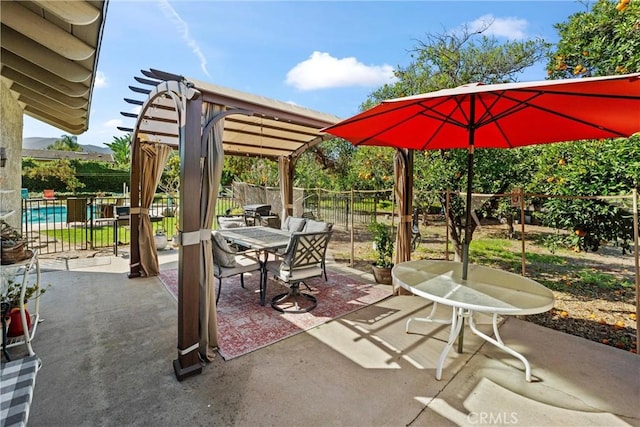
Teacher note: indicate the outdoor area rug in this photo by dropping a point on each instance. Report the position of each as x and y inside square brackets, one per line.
[244, 325]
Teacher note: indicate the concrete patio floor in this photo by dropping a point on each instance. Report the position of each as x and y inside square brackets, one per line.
[107, 344]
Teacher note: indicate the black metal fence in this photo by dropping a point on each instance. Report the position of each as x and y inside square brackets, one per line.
[348, 208]
[58, 225]
[93, 223]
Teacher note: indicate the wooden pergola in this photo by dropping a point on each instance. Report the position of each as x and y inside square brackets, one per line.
[204, 122]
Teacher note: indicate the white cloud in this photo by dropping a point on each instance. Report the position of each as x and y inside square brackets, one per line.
[322, 71]
[183, 28]
[112, 124]
[511, 28]
[101, 80]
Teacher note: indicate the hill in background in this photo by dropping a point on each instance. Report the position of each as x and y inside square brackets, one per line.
[39, 143]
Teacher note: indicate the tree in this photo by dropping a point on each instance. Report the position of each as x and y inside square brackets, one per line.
[371, 168]
[121, 149]
[449, 60]
[170, 180]
[608, 167]
[66, 143]
[600, 42]
[60, 169]
[325, 165]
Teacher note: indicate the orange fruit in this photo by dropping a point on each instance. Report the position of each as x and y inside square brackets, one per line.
[564, 314]
[632, 316]
[605, 341]
[602, 321]
[619, 324]
[592, 316]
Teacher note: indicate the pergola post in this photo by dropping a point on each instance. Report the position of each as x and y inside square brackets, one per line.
[188, 362]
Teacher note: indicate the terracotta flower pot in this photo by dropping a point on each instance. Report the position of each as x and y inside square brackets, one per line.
[15, 326]
[382, 274]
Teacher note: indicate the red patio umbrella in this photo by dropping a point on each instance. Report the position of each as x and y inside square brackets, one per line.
[500, 116]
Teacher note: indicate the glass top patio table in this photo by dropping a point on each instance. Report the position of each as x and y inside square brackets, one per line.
[259, 238]
[486, 290]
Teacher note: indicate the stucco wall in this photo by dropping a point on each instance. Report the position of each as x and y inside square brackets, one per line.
[11, 121]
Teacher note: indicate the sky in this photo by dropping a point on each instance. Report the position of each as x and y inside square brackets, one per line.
[324, 55]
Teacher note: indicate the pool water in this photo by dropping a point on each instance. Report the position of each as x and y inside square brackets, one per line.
[45, 214]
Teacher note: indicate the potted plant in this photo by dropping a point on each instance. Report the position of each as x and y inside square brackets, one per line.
[160, 239]
[383, 243]
[11, 299]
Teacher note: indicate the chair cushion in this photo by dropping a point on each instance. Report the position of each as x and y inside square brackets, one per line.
[231, 221]
[297, 274]
[313, 226]
[293, 224]
[242, 264]
[222, 253]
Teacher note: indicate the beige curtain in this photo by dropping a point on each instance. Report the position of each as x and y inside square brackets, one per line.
[403, 187]
[211, 176]
[153, 157]
[285, 186]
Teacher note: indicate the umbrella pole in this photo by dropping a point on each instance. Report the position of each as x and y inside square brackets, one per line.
[467, 234]
[467, 221]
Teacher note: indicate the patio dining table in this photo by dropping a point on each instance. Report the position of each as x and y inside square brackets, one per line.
[260, 238]
[486, 290]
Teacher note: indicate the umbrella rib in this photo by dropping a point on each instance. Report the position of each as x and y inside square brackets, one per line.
[444, 119]
[526, 103]
[585, 94]
[521, 104]
[373, 137]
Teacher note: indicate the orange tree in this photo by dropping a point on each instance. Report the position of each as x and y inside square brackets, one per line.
[608, 167]
[326, 165]
[604, 40]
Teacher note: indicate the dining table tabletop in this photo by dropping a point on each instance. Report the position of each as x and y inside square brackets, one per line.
[260, 238]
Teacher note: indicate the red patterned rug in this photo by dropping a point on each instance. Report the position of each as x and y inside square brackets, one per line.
[244, 325]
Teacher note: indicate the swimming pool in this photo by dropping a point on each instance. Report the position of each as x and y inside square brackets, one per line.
[47, 213]
[43, 214]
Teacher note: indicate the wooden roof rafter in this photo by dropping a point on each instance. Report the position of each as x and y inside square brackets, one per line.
[49, 56]
[262, 127]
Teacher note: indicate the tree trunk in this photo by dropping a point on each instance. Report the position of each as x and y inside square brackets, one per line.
[457, 234]
[510, 226]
